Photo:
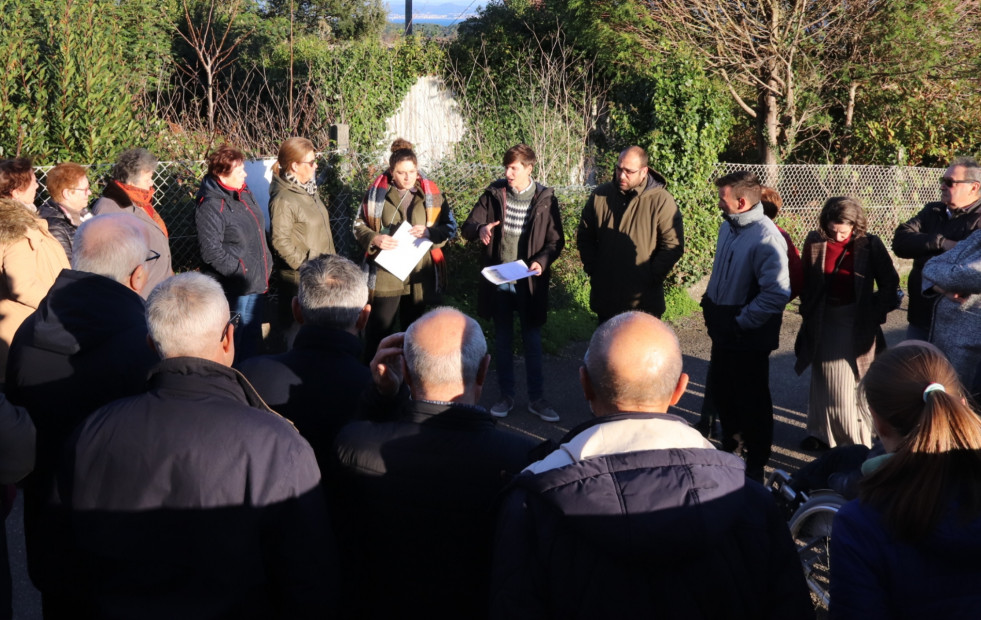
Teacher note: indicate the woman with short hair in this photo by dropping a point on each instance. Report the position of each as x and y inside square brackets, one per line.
[402, 194]
[30, 258]
[232, 239]
[67, 206]
[908, 547]
[850, 285]
[130, 190]
[298, 218]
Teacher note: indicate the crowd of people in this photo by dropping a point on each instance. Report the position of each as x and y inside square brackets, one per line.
[170, 470]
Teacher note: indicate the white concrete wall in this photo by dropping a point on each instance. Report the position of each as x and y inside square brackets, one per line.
[429, 118]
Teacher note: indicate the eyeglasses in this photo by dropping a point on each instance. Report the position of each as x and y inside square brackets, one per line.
[949, 182]
[234, 319]
[617, 170]
[312, 162]
[154, 255]
[84, 190]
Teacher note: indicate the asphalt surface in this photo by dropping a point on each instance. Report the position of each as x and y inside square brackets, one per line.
[562, 388]
[789, 391]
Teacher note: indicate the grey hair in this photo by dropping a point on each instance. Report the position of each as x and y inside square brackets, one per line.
[972, 169]
[333, 291]
[449, 368]
[111, 245]
[132, 163]
[186, 315]
[658, 382]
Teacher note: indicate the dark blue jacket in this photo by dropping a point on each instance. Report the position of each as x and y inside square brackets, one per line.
[84, 347]
[317, 384]
[193, 500]
[873, 575]
[232, 238]
[677, 533]
[415, 506]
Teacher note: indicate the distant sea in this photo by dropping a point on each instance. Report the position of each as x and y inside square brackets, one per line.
[423, 20]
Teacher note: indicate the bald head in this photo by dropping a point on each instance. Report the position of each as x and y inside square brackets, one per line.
[631, 170]
[112, 245]
[445, 357]
[633, 364]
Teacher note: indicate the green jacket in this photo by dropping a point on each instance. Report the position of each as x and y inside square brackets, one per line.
[422, 282]
[628, 245]
[299, 226]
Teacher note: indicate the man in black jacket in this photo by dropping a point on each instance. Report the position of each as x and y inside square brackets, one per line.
[416, 494]
[85, 346]
[318, 383]
[938, 227]
[194, 499]
[517, 219]
[636, 514]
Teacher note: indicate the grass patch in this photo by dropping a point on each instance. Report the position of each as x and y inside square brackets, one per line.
[679, 304]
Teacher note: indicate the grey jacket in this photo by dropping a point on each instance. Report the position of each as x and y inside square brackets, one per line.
[956, 327]
[750, 282]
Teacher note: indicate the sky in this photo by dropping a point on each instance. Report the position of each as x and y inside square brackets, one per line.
[422, 9]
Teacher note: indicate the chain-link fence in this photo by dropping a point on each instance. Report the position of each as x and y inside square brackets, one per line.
[890, 194]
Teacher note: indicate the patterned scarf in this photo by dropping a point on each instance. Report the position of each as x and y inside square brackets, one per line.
[142, 198]
[309, 187]
[373, 207]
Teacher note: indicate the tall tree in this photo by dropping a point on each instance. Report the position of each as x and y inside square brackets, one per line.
[788, 64]
[209, 30]
[339, 19]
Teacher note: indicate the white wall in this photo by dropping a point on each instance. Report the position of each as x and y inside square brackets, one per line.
[430, 119]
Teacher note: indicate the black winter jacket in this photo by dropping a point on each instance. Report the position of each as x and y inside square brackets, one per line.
[929, 233]
[541, 242]
[677, 533]
[193, 500]
[85, 347]
[232, 238]
[60, 225]
[317, 384]
[416, 499]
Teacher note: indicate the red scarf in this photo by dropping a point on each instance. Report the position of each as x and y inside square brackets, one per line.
[142, 198]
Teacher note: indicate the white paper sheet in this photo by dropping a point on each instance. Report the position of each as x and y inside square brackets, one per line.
[402, 260]
[507, 272]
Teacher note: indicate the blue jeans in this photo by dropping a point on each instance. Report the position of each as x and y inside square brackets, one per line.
[248, 336]
[506, 303]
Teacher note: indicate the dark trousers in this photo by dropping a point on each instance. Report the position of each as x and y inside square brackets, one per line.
[506, 305]
[381, 321]
[740, 386]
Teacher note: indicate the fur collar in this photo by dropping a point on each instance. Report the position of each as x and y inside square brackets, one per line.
[15, 220]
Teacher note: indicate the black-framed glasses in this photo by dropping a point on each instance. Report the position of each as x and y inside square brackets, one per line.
[234, 319]
[949, 182]
[154, 255]
[312, 162]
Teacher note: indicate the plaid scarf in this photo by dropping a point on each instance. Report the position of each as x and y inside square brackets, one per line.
[371, 213]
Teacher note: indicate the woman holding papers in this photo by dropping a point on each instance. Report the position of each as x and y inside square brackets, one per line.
[517, 219]
[402, 198]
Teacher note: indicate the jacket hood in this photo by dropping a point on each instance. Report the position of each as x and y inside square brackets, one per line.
[83, 310]
[655, 180]
[636, 504]
[14, 221]
[279, 185]
[495, 188]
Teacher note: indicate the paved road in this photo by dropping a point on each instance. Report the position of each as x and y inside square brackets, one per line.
[789, 391]
[562, 388]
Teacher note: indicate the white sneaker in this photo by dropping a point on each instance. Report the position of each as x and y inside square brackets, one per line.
[543, 409]
[502, 407]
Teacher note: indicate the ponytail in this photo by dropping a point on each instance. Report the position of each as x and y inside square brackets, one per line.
[938, 460]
